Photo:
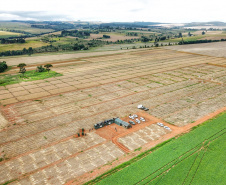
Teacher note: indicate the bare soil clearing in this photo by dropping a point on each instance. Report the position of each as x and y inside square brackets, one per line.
[216, 49]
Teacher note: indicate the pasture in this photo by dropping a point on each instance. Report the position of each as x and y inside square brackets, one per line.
[6, 34]
[20, 46]
[22, 26]
[39, 142]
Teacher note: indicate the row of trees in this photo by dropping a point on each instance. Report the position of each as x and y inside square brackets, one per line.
[199, 41]
[131, 34]
[106, 36]
[11, 41]
[75, 33]
[39, 68]
[49, 48]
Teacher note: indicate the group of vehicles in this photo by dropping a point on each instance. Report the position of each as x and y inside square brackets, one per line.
[135, 118]
[104, 123]
[162, 125]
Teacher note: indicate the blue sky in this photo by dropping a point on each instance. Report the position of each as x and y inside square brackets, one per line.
[171, 11]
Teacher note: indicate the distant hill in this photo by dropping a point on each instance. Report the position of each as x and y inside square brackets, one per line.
[213, 23]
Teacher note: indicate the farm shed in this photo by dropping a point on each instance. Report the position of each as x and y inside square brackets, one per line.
[122, 123]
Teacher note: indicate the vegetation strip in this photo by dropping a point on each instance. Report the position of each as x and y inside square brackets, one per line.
[29, 76]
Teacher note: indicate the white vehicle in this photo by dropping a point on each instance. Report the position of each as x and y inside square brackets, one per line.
[142, 107]
[131, 117]
[142, 119]
[135, 116]
[167, 128]
[137, 120]
[160, 124]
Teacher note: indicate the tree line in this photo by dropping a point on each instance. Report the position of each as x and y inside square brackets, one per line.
[49, 48]
[75, 33]
[12, 41]
[199, 41]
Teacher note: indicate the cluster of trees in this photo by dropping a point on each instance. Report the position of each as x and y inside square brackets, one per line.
[106, 36]
[11, 41]
[41, 26]
[75, 33]
[25, 51]
[199, 41]
[180, 35]
[54, 25]
[131, 34]
[49, 48]
[43, 69]
[145, 39]
[47, 39]
[38, 69]
[3, 66]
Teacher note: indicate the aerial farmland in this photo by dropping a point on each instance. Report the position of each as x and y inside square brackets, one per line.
[47, 126]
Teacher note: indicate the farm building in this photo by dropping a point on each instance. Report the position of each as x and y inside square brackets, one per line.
[122, 123]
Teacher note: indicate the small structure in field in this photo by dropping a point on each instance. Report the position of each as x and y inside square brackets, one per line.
[122, 123]
[110, 121]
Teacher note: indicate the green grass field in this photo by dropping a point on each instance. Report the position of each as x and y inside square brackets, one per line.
[22, 27]
[6, 34]
[28, 76]
[20, 46]
[194, 158]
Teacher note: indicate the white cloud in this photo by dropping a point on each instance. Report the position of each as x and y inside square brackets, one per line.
[116, 10]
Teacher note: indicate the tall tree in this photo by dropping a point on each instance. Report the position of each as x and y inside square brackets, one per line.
[48, 67]
[22, 68]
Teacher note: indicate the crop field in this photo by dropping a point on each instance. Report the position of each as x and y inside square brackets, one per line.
[195, 158]
[22, 27]
[5, 34]
[21, 46]
[39, 143]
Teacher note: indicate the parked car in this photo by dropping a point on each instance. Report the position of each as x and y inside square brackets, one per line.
[135, 116]
[131, 117]
[131, 122]
[160, 124]
[142, 119]
[142, 107]
[137, 120]
[167, 128]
